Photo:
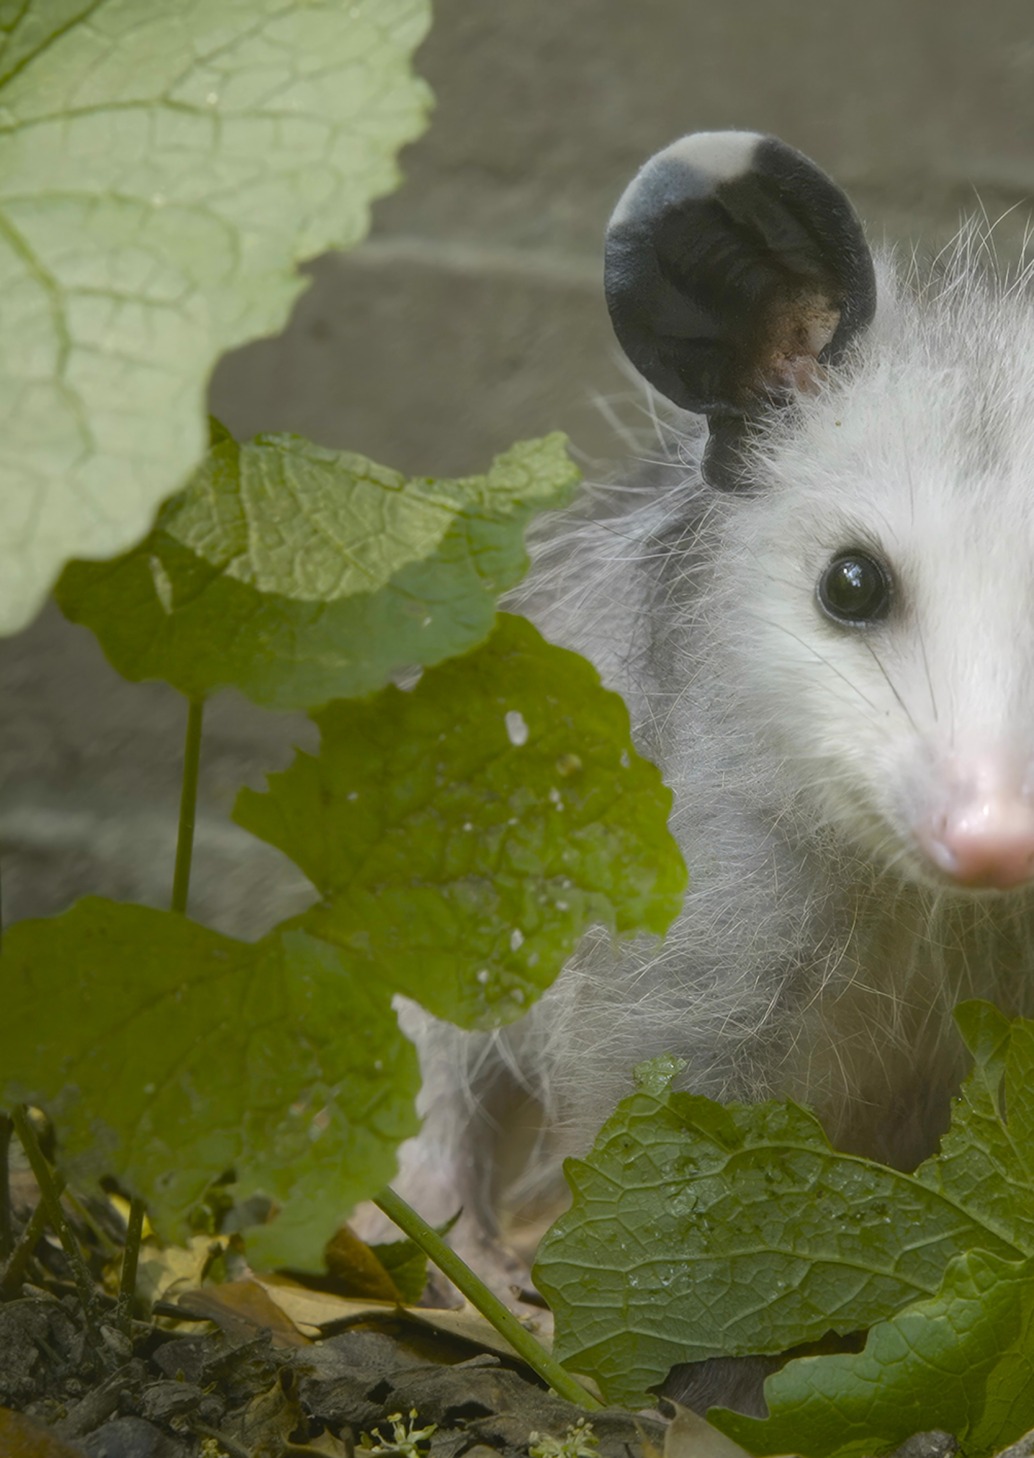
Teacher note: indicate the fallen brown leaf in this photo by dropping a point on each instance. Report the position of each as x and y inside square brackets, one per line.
[242, 1309]
[352, 1262]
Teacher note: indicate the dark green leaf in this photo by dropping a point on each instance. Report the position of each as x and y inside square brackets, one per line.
[961, 1362]
[462, 836]
[698, 1230]
[168, 1054]
[986, 1159]
[299, 574]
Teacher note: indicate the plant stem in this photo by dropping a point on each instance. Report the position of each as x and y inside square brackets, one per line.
[475, 1290]
[6, 1226]
[188, 806]
[14, 1270]
[130, 1260]
[51, 1199]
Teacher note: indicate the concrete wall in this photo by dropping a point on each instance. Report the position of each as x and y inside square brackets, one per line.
[473, 316]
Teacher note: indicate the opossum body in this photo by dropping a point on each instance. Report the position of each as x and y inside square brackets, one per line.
[820, 609]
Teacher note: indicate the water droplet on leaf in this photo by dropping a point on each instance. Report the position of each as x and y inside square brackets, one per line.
[516, 728]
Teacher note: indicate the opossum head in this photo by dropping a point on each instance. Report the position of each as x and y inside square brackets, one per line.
[871, 458]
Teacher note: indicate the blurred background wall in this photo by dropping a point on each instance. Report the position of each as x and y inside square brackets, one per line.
[473, 316]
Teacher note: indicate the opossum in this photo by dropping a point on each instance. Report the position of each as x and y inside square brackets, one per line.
[819, 605]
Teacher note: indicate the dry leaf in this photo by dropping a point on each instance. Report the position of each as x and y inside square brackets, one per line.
[165, 1272]
[351, 1261]
[242, 1309]
[688, 1435]
[313, 1311]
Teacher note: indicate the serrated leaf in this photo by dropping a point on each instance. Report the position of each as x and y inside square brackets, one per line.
[986, 1159]
[961, 1362]
[168, 1054]
[299, 574]
[697, 1230]
[162, 169]
[463, 835]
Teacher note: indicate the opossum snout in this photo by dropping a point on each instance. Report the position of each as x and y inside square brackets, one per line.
[982, 833]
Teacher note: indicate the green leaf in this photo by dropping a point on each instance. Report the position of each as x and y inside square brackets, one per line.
[986, 1159]
[406, 1264]
[168, 1054]
[961, 1362]
[163, 166]
[299, 574]
[698, 1230]
[464, 835]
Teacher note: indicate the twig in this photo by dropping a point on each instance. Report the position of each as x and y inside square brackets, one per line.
[130, 1260]
[14, 1270]
[188, 806]
[51, 1199]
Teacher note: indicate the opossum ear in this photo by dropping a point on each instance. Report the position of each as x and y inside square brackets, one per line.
[735, 270]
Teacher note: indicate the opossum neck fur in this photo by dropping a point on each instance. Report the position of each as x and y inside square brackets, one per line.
[879, 1057]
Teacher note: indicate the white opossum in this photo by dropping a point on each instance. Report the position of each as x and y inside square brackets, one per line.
[820, 609]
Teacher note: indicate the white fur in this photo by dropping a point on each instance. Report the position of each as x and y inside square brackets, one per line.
[819, 954]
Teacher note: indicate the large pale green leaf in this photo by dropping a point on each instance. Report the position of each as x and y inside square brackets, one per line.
[463, 835]
[168, 1054]
[299, 574]
[961, 1362]
[163, 166]
[698, 1231]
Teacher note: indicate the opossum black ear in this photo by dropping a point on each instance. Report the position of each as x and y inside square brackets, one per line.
[735, 270]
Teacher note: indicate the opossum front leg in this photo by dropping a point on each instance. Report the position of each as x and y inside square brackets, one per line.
[478, 1123]
[437, 1184]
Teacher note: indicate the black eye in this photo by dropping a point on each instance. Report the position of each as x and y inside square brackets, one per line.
[855, 589]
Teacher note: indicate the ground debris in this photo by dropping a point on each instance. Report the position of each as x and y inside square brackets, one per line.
[358, 1376]
[134, 1437]
[214, 1392]
[43, 1352]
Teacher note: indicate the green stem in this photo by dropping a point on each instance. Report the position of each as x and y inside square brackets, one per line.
[14, 1270]
[51, 1199]
[188, 806]
[6, 1225]
[130, 1260]
[475, 1290]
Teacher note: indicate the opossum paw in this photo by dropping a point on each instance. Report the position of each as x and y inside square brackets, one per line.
[506, 1274]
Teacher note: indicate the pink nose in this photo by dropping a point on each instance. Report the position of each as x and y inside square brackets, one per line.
[985, 837]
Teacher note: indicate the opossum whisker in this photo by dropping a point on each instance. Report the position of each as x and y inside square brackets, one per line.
[891, 685]
[825, 659]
